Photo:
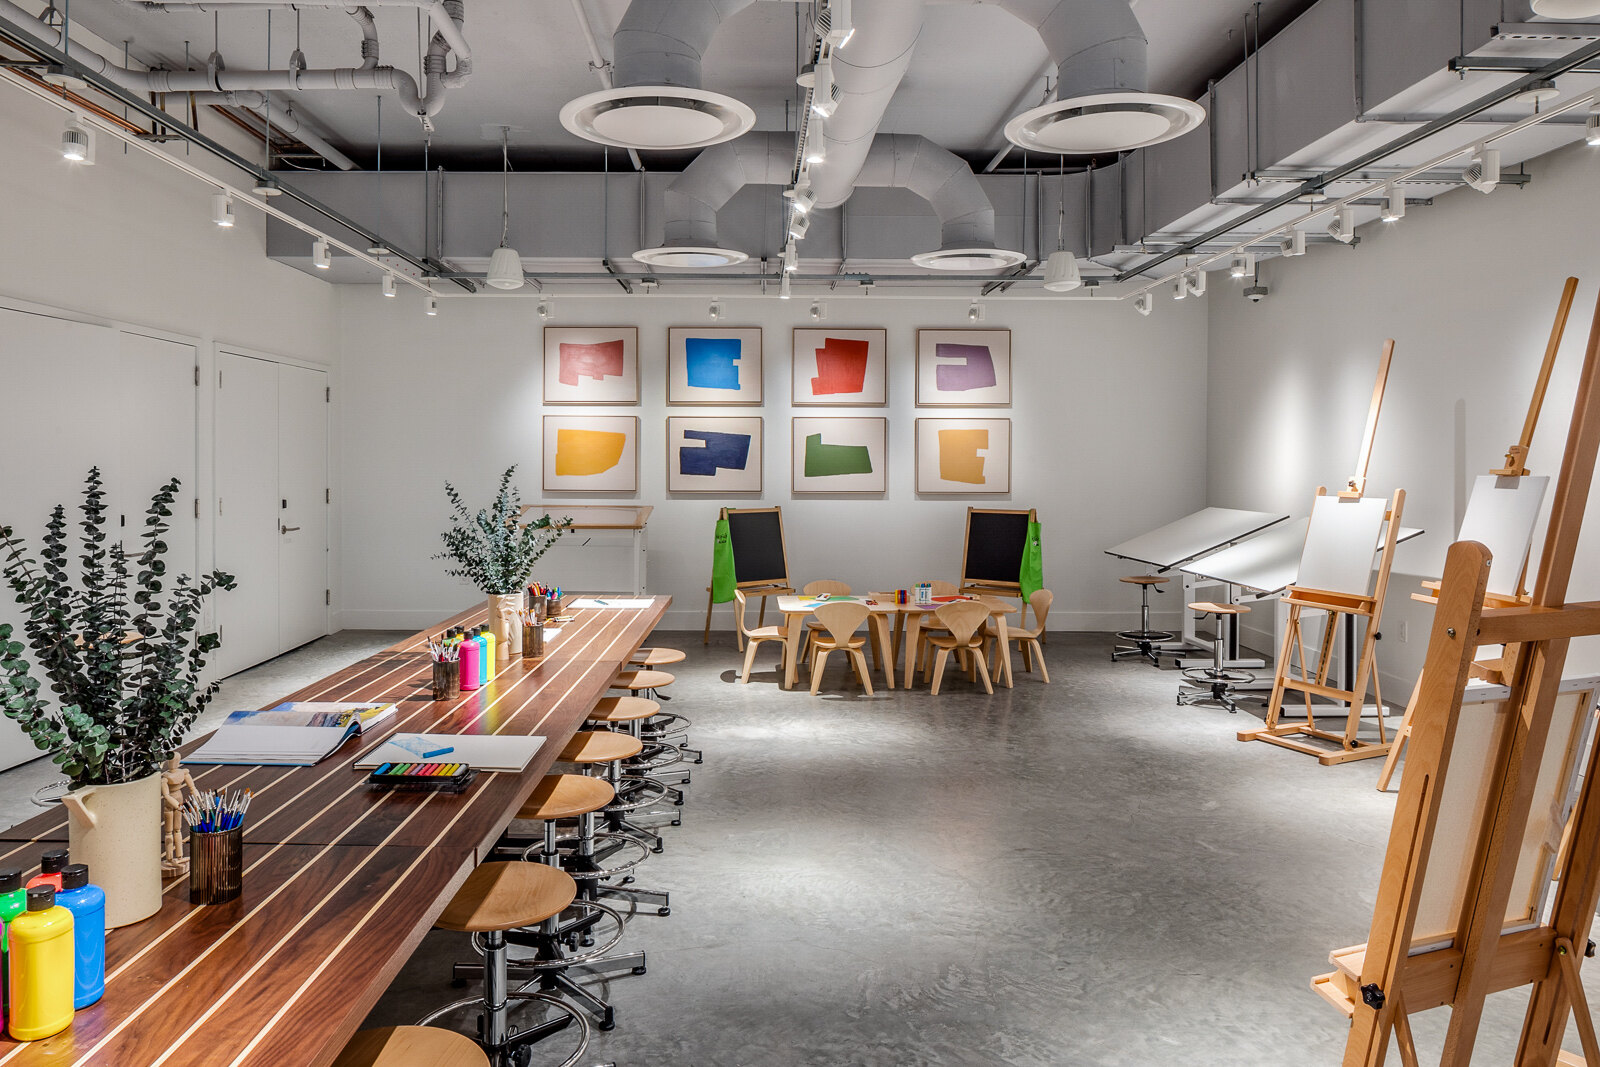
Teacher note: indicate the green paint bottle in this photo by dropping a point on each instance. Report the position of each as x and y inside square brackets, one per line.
[13, 902]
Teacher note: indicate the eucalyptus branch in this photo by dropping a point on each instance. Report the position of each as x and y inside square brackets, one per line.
[493, 549]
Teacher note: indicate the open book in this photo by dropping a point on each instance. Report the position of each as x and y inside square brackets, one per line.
[289, 735]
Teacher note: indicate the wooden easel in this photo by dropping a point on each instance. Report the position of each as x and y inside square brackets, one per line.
[1494, 671]
[765, 572]
[985, 559]
[1380, 983]
[1351, 608]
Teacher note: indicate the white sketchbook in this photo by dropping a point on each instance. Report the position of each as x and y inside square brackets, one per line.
[481, 752]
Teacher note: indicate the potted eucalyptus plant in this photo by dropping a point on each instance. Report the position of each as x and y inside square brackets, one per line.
[117, 646]
[495, 550]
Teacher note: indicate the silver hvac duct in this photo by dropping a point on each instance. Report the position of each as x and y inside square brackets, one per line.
[866, 73]
[907, 161]
[1101, 105]
[296, 78]
[657, 101]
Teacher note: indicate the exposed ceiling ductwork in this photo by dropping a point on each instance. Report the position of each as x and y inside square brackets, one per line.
[447, 40]
[657, 101]
[1101, 104]
[902, 161]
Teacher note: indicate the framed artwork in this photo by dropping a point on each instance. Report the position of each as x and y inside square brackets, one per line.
[591, 453]
[963, 457]
[842, 368]
[591, 364]
[963, 368]
[714, 454]
[714, 365]
[841, 455]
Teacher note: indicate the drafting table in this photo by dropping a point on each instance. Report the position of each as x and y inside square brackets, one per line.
[1190, 538]
[1266, 566]
[604, 541]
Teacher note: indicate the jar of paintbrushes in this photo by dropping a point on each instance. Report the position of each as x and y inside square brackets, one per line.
[533, 630]
[446, 661]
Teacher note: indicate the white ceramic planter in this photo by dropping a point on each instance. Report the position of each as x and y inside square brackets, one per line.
[116, 830]
[505, 625]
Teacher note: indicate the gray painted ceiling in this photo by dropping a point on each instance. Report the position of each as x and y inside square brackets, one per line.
[975, 67]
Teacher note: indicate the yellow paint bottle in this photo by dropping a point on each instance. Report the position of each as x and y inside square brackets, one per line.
[41, 944]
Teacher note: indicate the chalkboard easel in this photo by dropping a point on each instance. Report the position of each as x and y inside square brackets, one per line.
[991, 555]
[760, 559]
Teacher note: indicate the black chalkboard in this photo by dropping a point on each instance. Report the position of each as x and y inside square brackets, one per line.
[757, 538]
[995, 543]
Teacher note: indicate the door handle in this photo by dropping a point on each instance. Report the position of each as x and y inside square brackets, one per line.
[287, 529]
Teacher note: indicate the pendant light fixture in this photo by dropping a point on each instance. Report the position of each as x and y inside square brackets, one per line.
[1061, 269]
[505, 266]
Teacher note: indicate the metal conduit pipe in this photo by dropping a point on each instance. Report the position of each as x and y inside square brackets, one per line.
[1097, 46]
[866, 72]
[662, 42]
[438, 14]
[283, 118]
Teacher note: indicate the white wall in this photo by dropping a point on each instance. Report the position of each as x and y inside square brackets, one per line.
[1108, 424]
[1467, 288]
[129, 242]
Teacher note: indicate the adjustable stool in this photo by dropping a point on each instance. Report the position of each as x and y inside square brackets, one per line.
[1143, 639]
[1217, 678]
[410, 1046]
[661, 752]
[657, 657]
[497, 898]
[606, 749]
[635, 792]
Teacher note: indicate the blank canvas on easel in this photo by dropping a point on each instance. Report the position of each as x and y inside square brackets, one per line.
[1340, 543]
[1501, 515]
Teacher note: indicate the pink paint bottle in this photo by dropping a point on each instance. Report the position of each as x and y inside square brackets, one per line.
[471, 664]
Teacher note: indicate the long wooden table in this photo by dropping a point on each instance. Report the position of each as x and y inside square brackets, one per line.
[341, 881]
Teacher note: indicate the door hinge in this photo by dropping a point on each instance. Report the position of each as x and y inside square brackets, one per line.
[327, 394]
[327, 496]
[219, 505]
[327, 596]
[197, 507]
[219, 379]
[197, 375]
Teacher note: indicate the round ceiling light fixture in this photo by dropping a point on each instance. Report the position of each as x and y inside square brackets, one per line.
[690, 256]
[1105, 122]
[968, 259]
[657, 117]
[1566, 9]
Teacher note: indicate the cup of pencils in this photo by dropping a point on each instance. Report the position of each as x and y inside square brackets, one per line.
[216, 844]
[446, 669]
[533, 632]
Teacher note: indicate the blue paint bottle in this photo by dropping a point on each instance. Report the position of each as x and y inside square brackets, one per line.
[88, 906]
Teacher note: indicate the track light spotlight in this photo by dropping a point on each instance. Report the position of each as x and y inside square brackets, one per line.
[783, 287]
[1180, 288]
[388, 285]
[1244, 265]
[823, 99]
[1340, 229]
[1394, 204]
[1144, 304]
[266, 187]
[432, 306]
[76, 143]
[714, 311]
[1196, 283]
[834, 24]
[815, 153]
[545, 310]
[222, 210]
[798, 225]
[802, 197]
[791, 258]
[1591, 134]
[1483, 173]
[819, 311]
[1295, 243]
[975, 312]
[321, 256]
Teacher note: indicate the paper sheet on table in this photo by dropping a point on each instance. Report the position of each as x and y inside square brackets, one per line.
[481, 752]
[609, 602]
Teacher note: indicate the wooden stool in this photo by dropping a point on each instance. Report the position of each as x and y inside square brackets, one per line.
[622, 709]
[1217, 678]
[497, 898]
[636, 792]
[657, 657]
[606, 751]
[642, 681]
[1143, 640]
[411, 1046]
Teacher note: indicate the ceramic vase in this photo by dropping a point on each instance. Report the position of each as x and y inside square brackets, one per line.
[116, 830]
[505, 625]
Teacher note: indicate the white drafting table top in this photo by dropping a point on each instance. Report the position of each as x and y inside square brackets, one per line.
[1194, 535]
[1269, 563]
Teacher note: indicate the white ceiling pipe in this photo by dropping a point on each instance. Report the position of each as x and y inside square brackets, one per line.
[283, 118]
[939, 176]
[599, 65]
[866, 72]
[663, 42]
[1097, 46]
[706, 185]
[438, 14]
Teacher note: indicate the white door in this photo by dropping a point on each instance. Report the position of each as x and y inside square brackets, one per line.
[247, 510]
[303, 505]
[156, 395]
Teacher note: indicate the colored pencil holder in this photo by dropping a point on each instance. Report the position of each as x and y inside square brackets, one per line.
[532, 640]
[216, 866]
[444, 686]
[537, 605]
[554, 605]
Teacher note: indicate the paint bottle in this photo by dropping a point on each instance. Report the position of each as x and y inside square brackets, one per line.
[488, 638]
[13, 902]
[50, 865]
[469, 663]
[88, 906]
[40, 979]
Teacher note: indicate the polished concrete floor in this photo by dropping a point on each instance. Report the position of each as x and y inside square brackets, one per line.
[1074, 874]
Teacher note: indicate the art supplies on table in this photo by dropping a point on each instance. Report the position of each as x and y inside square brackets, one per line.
[314, 713]
[272, 746]
[479, 752]
[87, 902]
[434, 777]
[50, 865]
[629, 603]
[40, 982]
[216, 844]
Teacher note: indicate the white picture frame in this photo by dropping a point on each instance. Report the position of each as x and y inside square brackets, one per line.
[839, 454]
[591, 453]
[704, 454]
[963, 457]
[839, 368]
